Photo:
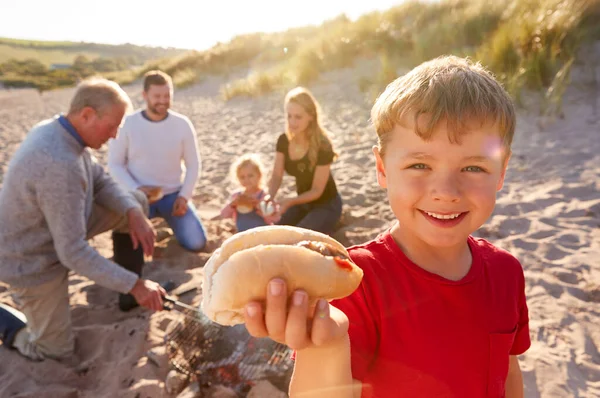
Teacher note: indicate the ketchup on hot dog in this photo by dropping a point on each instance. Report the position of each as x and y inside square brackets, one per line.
[328, 250]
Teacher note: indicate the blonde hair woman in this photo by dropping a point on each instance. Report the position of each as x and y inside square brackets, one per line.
[306, 152]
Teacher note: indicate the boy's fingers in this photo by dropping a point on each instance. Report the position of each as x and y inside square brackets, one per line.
[254, 320]
[328, 324]
[296, 329]
[276, 312]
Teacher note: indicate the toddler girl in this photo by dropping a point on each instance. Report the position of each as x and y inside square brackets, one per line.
[244, 204]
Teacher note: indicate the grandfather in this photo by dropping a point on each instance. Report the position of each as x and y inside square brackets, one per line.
[55, 197]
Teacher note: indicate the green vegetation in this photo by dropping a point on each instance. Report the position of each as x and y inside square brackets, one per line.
[52, 52]
[527, 43]
[27, 63]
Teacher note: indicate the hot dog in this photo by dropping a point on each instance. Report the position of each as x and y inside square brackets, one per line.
[153, 193]
[238, 272]
[245, 204]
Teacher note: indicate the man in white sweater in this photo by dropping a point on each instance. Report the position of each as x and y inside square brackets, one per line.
[149, 152]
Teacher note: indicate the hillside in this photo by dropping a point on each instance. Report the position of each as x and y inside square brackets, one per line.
[53, 52]
[47, 65]
[527, 43]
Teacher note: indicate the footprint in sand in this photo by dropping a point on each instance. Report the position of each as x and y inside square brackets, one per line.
[540, 235]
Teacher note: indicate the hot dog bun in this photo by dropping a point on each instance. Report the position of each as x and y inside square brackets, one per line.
[245, 204]
[239, 271]
[153, 193]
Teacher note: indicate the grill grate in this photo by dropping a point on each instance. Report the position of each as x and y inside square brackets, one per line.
[215, 354]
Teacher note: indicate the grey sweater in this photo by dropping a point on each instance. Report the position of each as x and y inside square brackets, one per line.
[45, 202]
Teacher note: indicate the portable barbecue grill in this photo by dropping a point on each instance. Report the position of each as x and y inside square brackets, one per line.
[215, 354]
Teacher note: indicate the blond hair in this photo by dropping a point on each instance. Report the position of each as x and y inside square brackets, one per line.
[98, 94]
[447, 89]
[156, 78]
[252, 160]
[316, 134]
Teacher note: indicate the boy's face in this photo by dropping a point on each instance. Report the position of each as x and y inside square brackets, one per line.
[441, 192]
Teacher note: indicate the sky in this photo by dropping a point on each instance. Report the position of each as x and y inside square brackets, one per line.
[190, 24]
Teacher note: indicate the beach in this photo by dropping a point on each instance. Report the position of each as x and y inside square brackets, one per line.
[547, 215]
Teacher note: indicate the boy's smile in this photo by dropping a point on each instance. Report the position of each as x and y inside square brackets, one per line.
[444, 220]
[441, 191]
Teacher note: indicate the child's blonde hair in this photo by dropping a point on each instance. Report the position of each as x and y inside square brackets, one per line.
[317, 135]
[447, 89]
[250, 159]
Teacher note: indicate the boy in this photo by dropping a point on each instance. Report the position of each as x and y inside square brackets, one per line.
[438, 313]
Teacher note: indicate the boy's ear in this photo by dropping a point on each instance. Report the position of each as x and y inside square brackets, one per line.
[503, 172]
[381, 178]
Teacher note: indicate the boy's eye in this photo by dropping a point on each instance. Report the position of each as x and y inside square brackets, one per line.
[418, 166]
[474, 169]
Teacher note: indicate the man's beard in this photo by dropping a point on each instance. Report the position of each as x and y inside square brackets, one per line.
[154, 109]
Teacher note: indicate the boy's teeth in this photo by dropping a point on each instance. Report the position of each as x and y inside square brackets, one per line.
[443, 216]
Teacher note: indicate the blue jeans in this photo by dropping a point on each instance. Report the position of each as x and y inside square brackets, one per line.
[188, 229]
[248, 221]
[317, 217]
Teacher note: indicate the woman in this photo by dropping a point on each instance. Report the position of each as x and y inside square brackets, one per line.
[305, 152]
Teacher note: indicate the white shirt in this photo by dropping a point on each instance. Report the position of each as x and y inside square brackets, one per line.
[156, 154]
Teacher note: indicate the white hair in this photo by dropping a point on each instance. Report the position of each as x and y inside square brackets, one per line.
[99, 94]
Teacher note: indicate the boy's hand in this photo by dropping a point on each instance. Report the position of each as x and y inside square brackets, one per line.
[292, 322]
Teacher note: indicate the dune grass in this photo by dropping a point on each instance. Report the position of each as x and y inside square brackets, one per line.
[526, 43]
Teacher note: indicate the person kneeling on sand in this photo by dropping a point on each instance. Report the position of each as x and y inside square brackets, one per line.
[55, 196]
[149, 152]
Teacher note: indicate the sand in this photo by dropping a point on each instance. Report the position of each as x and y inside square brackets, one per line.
[548, 215]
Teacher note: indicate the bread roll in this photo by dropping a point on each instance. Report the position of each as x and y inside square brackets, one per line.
[239, 271]
[245, 204]
[154, 194]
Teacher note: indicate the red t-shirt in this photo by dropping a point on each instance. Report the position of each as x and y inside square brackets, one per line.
[416, 334]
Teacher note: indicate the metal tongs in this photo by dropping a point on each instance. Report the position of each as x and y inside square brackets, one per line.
[170, 303]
